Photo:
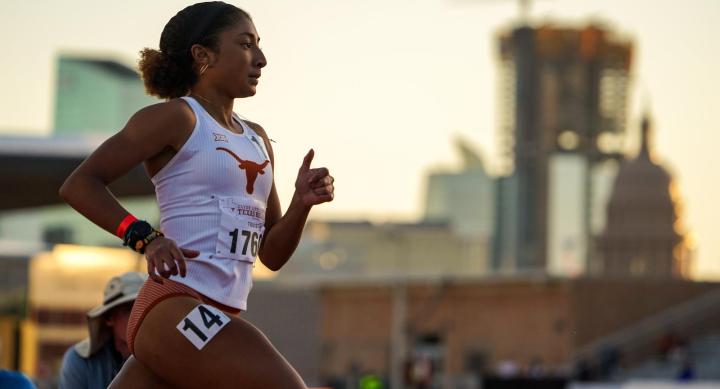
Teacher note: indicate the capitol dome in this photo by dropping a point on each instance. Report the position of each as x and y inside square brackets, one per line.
[643, 234]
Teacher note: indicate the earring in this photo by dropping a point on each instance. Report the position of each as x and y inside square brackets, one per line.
[203, 69]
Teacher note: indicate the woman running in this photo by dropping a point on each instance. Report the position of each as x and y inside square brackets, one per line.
[219, 209]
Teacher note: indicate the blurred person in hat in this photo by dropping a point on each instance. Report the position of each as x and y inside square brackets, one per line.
[95, 361]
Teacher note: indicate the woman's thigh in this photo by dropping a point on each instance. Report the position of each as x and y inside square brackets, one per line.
[134, 375]
[237, 356]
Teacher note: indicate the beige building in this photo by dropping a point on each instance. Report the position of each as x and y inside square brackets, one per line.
[63, 284]
[464, 197]
[331, 250]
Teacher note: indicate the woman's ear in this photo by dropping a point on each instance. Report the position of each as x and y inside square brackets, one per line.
[201, 55]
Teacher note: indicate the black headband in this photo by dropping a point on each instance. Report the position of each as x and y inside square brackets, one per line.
[199, 32]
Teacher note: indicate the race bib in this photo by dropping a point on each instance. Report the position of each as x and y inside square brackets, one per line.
[202, 324]
[242, 224]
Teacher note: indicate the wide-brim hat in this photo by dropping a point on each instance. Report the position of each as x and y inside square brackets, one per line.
[119, 290]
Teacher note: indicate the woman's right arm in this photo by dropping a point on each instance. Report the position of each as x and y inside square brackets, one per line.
[150, 131]
[146, 135]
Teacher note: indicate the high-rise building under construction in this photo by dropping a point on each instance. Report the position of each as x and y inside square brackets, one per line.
[564, 103]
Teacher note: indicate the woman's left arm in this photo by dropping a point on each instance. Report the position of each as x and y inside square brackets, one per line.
[313, 186]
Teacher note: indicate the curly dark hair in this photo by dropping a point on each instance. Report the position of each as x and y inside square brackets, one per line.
[169, 72]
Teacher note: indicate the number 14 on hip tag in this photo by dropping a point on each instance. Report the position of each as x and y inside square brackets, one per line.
[202, 324]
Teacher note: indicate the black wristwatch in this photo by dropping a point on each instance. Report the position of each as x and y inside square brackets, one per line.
[139, 234]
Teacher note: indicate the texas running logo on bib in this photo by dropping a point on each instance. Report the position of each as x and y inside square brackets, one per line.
[251, 168]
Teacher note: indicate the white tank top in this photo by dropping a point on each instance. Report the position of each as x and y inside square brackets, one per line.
[212, 197]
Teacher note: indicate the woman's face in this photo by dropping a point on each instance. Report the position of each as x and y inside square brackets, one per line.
[237, 65]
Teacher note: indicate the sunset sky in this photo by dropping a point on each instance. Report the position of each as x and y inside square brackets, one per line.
[381, 88]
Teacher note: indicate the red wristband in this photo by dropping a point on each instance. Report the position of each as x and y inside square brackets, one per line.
[124, 224]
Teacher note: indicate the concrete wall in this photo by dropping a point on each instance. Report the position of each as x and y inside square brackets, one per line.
[289, 317]
[518, 320]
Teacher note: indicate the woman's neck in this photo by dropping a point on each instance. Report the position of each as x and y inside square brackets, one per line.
[217, 106]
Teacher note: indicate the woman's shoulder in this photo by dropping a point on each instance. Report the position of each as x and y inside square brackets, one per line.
[174, 111]
[257, 128]
[261, 131]
[173, 114]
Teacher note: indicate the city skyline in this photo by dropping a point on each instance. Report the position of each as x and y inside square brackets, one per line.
[417, 74]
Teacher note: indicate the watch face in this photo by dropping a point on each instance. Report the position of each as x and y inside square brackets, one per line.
[143, 229]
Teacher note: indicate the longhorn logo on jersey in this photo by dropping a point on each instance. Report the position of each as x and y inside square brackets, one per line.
[251, 168]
